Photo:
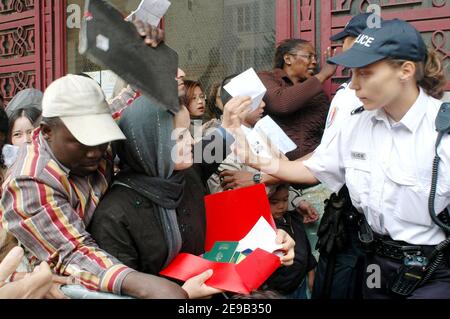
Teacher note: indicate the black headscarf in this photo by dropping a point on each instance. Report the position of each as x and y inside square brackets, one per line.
[148, 167]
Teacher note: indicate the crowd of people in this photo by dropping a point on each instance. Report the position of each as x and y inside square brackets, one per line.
[106, 195]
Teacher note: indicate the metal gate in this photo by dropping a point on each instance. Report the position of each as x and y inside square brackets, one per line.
[32, 44]
[317, 20]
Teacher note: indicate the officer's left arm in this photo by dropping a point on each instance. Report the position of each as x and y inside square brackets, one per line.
[289, 171]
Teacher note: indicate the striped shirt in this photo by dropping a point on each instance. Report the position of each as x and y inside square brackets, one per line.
[48, 210]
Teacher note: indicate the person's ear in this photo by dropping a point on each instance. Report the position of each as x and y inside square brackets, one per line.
[407, 71]
[47, 131]
[288, 59]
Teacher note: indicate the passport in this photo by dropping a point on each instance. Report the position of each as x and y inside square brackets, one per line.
[222, 251]
[240, 256]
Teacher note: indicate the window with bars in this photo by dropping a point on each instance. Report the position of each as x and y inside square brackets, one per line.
[243, 18]
[221, 37]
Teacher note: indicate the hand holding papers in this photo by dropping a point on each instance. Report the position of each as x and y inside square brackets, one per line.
[266, 135]
[261, 236]
[110, 41]
[269, 128]
[150, 11]
[231, 216]
[247, 84]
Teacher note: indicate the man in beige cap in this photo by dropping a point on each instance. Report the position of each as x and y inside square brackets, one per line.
[57, 182]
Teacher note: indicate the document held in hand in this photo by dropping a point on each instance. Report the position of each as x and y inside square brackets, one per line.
[150, 11]
[230, 217]
[249, 84]
[266, 134]
[108, 40]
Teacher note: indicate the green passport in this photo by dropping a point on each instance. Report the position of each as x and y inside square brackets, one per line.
[222, 251]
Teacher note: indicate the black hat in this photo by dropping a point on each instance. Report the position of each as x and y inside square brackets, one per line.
[396, 39]
[355, 26]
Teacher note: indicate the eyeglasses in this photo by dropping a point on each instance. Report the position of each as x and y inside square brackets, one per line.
[306, 56]
[200, 97]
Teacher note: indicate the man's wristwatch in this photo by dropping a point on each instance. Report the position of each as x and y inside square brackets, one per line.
[257, 178]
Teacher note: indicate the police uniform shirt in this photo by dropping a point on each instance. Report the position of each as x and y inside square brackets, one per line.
[342, 105]
[388, 167]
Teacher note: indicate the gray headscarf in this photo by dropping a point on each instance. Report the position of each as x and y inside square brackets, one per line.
[148, 170]
[25, 99]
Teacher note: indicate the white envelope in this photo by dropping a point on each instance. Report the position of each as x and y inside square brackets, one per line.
[261, 236]
[256, 142]
[265, 131]
[247, 83]
[277, 136]
[150, 11]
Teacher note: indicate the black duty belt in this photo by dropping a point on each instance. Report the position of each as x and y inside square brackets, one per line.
[385, 246]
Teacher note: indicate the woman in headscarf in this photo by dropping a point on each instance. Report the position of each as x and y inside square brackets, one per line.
[28, 98]
[155, 207]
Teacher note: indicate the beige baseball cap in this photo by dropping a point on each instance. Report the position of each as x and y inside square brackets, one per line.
[80, 103]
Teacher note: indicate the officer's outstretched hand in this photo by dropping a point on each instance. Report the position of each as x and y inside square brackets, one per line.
[288, 243]
[245, 154]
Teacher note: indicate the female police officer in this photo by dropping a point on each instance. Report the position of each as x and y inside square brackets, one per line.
[385, 157]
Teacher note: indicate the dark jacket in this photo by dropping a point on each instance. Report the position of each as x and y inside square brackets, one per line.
[127, 225]
[287, 279]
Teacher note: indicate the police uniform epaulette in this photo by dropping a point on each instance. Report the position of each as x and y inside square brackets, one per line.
[343, 85]
[358, 110]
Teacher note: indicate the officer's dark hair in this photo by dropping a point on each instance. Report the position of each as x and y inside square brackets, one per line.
[224, 95]
[289, 46]
[31, 113]
[430, 75]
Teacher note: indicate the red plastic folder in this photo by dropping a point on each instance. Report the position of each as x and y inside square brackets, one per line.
[230, 216]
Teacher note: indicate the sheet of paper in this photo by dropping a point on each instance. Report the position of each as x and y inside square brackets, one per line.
[247, 84]
[261, 236]
[107, 80]
[256, 142]
[277, 136]
[150, 11]
[10, 153]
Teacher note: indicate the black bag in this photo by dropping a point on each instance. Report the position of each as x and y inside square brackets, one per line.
[108, 40]
[341, 261]
[332, 233]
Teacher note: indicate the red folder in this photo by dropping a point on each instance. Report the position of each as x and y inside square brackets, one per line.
[230, 216]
